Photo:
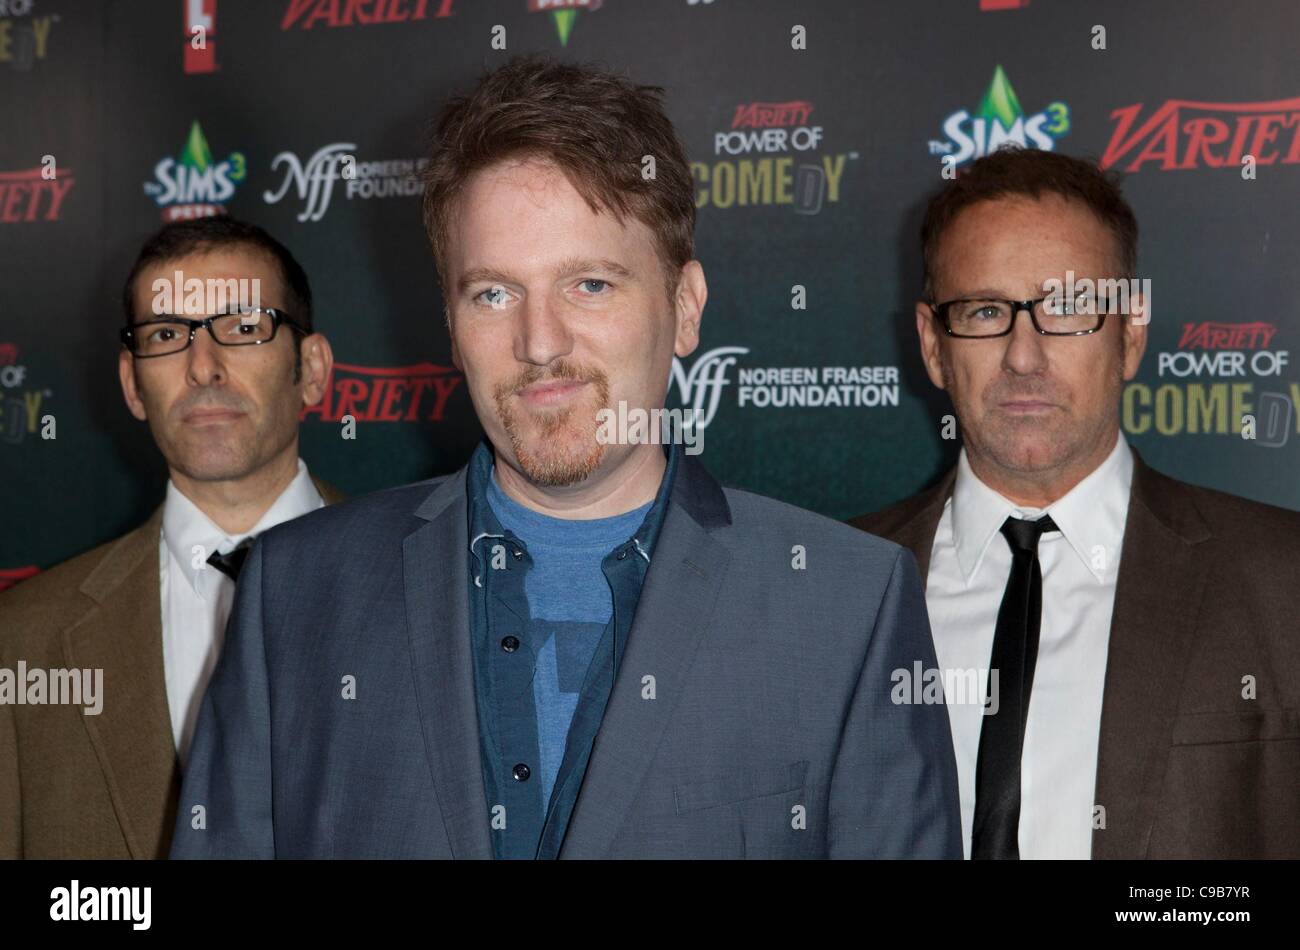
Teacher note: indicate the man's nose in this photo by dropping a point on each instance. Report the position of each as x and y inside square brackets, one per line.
[1025, 353]
[206, 361]
[542, 335]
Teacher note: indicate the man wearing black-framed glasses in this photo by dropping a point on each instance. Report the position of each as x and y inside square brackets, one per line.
[218, 356]
[1142, 629]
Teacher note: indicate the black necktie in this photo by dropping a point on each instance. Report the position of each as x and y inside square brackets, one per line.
[232, 561]
[1015, 649]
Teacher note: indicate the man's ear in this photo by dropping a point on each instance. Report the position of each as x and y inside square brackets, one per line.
[1133, 326]
[126, 376]
[688, 304]
[927, 330]
[317, 364]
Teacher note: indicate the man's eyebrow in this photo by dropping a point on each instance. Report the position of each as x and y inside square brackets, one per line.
[569, 267]
[484, 275]
[986, 293]
[572, 266]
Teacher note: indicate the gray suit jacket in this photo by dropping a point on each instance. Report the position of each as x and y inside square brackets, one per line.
[769, 731]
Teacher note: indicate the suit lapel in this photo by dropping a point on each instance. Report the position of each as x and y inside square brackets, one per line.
[913, 523]
[132, 736]
[328, 493]
[674, 612]
[436, 579]
[1157, 601]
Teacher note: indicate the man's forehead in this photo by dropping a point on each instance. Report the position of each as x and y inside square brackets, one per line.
[1007, 235]
[234, 261]
[489, 233]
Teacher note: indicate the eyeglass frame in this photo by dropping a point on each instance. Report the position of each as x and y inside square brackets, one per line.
[940, 310]
[278, 317]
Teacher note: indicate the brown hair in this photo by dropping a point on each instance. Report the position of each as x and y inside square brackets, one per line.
[594, 125]
[1015, 171]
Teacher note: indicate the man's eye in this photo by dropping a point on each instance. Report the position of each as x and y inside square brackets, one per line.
[493, 296]
[158, 337]
[594, 280]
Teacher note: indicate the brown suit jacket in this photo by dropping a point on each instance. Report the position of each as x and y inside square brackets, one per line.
[1208, 593]
[98, 786]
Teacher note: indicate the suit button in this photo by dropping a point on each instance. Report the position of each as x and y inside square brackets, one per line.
[510, 644]
[521, 772]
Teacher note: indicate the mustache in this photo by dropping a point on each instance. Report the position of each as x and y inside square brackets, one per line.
[1006, 390]
[559, 370]
[208, 400]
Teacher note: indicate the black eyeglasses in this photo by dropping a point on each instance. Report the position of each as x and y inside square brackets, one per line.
[972, 317]
[169, 334]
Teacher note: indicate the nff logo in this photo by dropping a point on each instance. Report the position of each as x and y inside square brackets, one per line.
[700, 388]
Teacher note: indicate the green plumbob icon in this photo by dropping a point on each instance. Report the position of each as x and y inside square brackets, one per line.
[1000, 102]
[564, 18]
[564, 23]
[195, 154]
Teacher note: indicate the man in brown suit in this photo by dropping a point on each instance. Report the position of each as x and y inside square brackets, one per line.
[221, 379]
[1136, 639]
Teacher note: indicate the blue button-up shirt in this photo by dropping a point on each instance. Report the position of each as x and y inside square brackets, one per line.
[523, 824]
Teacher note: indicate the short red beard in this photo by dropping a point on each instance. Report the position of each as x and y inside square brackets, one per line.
[566, 452]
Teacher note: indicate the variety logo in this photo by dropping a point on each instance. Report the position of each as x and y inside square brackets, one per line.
[701, 388]
[305, 14]
[24, 37]
[564, 13]
[193, 185]
[1190, 399]
[997, 121]
[1181, 134]
[789, 172]
[32, 195]
[200, 24]
[314, 182]
[417, 393]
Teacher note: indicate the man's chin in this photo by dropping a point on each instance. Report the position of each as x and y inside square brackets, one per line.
[209, 465]
[557, 461]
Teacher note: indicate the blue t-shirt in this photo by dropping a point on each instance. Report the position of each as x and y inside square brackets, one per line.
[569, 605]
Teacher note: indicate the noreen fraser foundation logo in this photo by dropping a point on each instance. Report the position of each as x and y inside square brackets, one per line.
[194, 185]
[702, 387]
[314, 180]
[1182, 134]
[999, 120]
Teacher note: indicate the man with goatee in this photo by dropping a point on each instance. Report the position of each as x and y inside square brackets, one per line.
[573, 647]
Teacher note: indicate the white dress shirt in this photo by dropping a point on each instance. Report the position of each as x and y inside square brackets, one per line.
[196, 597]
[969, 566]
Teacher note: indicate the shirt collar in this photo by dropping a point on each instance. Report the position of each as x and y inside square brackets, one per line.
[185, 525]
[1090, 515]
[483, 523]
